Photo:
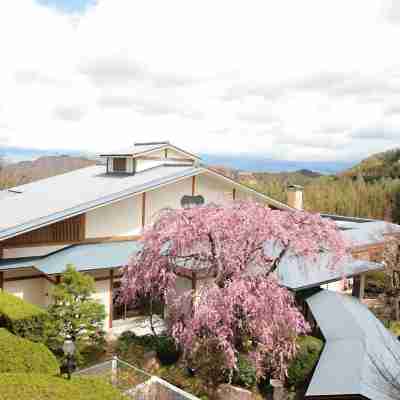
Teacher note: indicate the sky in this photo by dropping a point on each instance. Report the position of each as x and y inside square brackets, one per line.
[287, 80]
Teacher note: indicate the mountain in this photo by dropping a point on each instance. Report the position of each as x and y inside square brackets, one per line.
[379, 165]
[13, 174]
[257, 164]
[234, 161]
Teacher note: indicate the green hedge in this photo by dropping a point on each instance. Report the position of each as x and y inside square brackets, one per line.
[22, 318]
[21, 355]
[303, 364]
[42, 387]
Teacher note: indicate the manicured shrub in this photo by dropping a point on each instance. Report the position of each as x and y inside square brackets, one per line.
[40, 387]
[22, 318]
[305, 360]
[245, 374]
[21, 355]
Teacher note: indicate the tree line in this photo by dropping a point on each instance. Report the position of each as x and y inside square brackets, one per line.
[349, 196]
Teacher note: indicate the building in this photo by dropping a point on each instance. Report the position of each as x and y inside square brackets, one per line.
[92, 218]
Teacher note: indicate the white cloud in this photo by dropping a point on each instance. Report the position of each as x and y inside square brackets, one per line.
[294, 80]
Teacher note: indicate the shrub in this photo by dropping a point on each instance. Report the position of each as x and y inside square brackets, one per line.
[22, 318]
[165, 346]
[39, 387]
[304, 362]
[124, 342]
[167, 351]
[245, 373]
[21, 355]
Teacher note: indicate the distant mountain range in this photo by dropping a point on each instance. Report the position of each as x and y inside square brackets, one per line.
[234, 161]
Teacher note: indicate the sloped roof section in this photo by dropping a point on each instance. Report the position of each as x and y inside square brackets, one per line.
[49, 200]
[84, 257]
[140, 149]
[357, 348]
[296, 273]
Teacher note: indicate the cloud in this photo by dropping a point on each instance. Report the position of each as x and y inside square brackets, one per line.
[27, 76]
[257, 117]
[377, 133]
[148, 106]
[392, 10]
[392, 111]
[262, 82]
[69, 113]
[120, 70]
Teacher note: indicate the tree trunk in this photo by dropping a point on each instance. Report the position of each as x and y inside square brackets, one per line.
[396, 310]
[151, 318]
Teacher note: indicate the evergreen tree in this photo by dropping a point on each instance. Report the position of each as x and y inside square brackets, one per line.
[74, 314]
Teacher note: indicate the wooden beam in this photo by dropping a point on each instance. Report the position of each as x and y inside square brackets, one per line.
[193, 185]
[85, 241]
[143, 209]
[166, 153]
[111, 306]
[234, 194]
[23, 278]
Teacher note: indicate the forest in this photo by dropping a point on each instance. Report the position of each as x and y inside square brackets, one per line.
[371, 189]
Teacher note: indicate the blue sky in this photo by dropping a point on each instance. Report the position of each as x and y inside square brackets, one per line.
[68, 5]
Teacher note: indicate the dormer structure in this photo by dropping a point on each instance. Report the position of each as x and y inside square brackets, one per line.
[147, 155]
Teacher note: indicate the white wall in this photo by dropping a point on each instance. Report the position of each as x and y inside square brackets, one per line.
[31, 290]
[103, 296]
[167, 196]
[117, 219]
[214, 190]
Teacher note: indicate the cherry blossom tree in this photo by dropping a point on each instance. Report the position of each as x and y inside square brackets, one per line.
[231, 253]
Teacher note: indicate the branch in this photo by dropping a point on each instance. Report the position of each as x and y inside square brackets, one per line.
[277, 261]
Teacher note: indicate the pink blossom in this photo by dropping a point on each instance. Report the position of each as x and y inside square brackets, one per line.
[240, 309]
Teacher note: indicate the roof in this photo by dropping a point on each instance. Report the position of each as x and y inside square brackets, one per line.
[84, 257]
[53, 199]
[297, 274]
[292, 272]
[357, 347]
[140, 149]
[40, 203]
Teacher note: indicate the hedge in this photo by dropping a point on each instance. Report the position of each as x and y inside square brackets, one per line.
[22, 318]
[21, 355]
[42, 387]
[303, 364]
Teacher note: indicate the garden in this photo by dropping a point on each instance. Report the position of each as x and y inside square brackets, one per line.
[237, 327]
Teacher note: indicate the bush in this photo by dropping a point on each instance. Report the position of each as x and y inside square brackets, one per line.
[124, 342]
[165, 346]
[167, 351]
[245, 374]
[305, 360]
[39, 387]
[22, 318]
[21, 355]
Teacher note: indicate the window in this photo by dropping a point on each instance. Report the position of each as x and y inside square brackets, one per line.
[119, 164]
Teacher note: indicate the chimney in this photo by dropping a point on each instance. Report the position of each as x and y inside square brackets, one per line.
[295, 196]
